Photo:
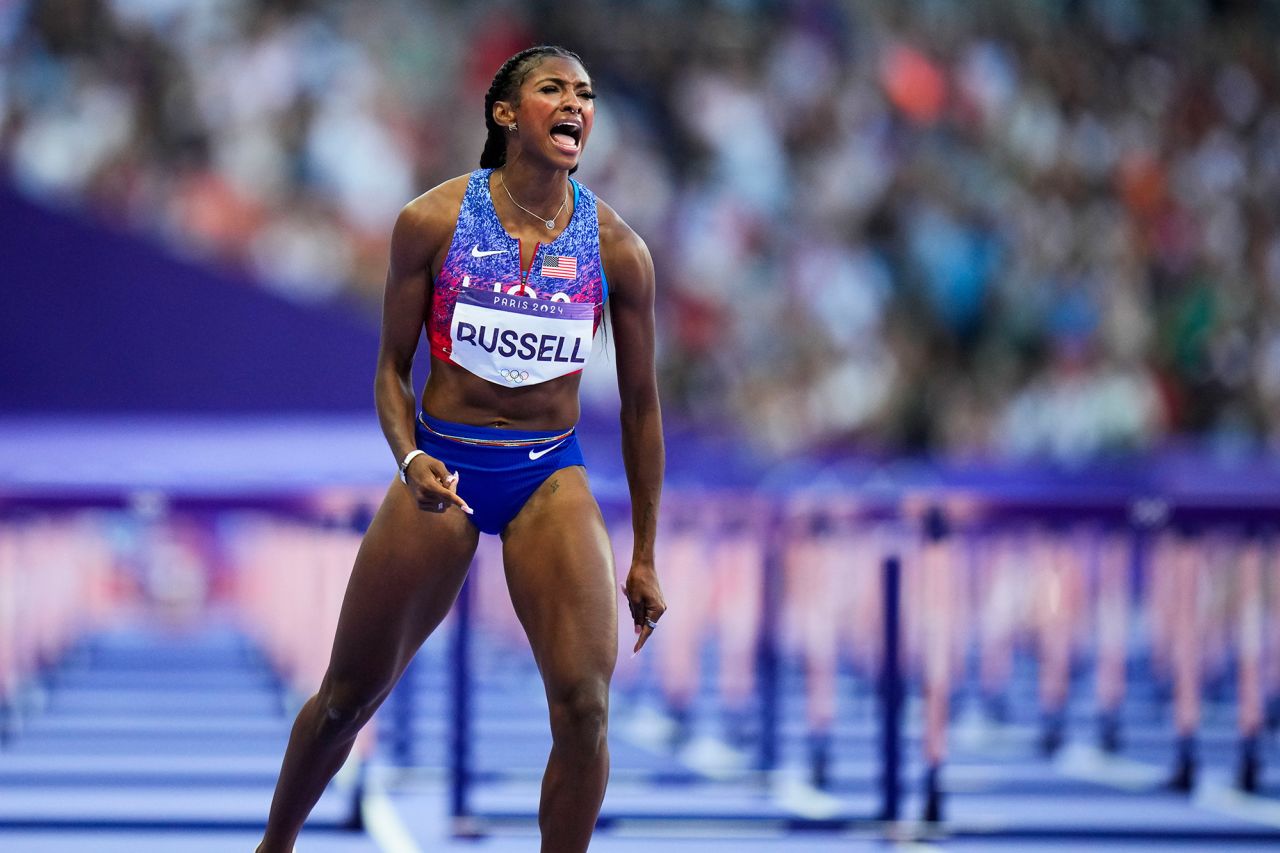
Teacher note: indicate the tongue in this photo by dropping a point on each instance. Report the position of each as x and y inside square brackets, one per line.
[564, 140]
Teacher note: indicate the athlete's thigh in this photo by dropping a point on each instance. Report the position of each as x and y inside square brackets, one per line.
[559, 567]
[407, 574]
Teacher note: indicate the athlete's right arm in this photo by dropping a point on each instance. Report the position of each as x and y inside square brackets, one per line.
[420, 231]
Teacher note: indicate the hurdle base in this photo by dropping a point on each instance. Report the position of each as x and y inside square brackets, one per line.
[1052, 732]
[1184, 773]
[932, 812]
[1250, 766]
[9, 724]
[1109, 732]
[996, 708]
[820, 761]
[468, 826]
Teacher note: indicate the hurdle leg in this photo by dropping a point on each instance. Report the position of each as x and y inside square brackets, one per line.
[679, 656]
[739, 583]
[999, 576]
[820, 655]
[8, 638]
[462, 822]
[938, 591]
[1249, 662]
[1185, 576]
[891, 691]
[1055, 638]
[1271, 632]
[1114, 561]
[767, 652]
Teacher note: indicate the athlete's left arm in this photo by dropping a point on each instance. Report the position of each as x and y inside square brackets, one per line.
[629, 269]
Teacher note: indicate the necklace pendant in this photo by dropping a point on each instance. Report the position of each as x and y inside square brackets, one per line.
[550, 223]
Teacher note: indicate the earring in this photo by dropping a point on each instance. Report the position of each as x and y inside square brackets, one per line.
[512, 127]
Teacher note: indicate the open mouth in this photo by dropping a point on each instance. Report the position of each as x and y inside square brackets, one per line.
[567, 136]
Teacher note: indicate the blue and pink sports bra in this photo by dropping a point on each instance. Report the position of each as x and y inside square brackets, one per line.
[515, 326]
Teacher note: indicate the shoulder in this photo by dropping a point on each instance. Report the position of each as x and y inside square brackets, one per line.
[437, 207]
[427, 222]
[622, 251]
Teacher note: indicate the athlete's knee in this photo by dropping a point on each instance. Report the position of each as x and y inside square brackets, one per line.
[580, 712]
[344, 708]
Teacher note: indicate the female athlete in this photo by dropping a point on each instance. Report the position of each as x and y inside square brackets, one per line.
[510, 268]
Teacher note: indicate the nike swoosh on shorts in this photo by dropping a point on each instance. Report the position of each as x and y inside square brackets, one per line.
[476, 253]
[538, 454]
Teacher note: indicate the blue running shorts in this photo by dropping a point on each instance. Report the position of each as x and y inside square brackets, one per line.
[498, 469]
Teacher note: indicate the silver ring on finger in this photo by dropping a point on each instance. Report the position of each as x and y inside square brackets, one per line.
[440, 506]
[650, 623]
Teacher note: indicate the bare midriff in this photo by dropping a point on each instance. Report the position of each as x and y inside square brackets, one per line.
[455, 394]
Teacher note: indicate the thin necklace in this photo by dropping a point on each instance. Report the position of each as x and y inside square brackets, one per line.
[550, 223]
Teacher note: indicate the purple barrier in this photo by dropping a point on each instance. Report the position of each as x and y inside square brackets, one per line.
[94, 320]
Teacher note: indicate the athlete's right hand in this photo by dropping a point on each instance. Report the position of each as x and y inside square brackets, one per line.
[434, 489]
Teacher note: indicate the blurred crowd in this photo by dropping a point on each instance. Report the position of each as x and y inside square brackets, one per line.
[978, 229]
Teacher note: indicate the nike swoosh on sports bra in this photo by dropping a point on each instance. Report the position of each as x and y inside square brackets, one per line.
[514, 326]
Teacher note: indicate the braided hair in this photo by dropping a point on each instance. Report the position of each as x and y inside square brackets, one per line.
[504, 86]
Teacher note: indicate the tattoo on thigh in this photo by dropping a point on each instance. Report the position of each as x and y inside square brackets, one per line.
[555, 486]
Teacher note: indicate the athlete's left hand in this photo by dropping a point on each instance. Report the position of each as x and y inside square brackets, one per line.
[644, 598]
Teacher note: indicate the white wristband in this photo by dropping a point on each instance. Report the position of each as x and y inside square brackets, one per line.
[404, 463]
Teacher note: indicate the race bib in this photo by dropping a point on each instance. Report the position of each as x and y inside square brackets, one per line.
[519, 340]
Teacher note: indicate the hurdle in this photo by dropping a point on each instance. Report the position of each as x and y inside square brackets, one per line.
[1147, 518]
[949, 514]
[471, 821]
[60, 598]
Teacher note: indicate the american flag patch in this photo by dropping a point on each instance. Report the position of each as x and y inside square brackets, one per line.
[559, 266]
